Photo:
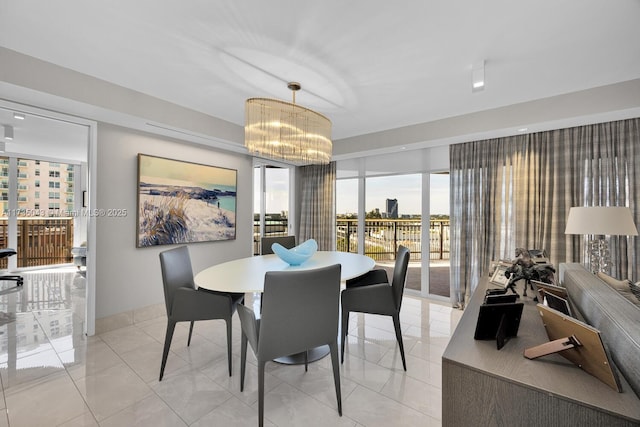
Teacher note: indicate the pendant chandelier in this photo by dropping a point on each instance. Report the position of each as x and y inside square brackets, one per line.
[287, 132]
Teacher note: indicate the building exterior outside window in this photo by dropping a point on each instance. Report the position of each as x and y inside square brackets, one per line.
[59, 177]
[392, 208]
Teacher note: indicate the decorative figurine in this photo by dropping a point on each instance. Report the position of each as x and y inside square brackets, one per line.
[523, 267]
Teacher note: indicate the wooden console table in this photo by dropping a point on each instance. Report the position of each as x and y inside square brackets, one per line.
[483, 386]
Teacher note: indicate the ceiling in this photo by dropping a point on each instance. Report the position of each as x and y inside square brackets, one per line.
[369, 65]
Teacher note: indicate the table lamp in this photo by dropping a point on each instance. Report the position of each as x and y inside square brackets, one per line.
[600, 221]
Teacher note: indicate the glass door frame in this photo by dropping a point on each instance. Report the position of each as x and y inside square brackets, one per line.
[425, 224]
[89, 181]
[291, 218]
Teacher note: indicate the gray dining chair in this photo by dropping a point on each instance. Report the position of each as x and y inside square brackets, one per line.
[266, 242]
[300, 310]
[185, 303]
[372, 293]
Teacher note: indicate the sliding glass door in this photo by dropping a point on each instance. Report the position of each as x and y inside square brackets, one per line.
[439, 242]
[377, 214]
[393, 206]
[271, 203]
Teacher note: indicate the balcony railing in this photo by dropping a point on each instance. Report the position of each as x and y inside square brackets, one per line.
[41, 241]
[382, 236]
[272, 228]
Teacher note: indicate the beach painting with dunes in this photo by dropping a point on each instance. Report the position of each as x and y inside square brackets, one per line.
[182, 202]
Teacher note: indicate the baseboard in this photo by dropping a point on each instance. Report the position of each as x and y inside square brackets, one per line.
[129, 318]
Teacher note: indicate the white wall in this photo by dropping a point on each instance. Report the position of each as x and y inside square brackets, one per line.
[434, 159]
[128, 278]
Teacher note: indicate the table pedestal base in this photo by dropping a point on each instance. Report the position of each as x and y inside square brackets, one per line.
[298, 359]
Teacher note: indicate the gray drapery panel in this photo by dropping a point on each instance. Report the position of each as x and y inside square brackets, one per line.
[481, 183]
[317, 212]
[613, 170]
[517, 191]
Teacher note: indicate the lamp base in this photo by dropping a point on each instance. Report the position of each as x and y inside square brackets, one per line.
[599, 255]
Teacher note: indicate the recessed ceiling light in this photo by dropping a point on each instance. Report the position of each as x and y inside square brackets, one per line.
[477, 76]
[8, 132]
[18, 116]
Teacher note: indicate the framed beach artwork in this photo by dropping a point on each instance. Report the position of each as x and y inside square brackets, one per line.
[182, 202]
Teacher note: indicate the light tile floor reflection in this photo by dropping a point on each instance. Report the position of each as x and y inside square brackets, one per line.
[53, 375]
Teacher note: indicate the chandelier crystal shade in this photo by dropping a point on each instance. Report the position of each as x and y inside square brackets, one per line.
[287, 132]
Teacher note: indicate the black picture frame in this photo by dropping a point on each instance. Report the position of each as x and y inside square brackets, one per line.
[499, 322]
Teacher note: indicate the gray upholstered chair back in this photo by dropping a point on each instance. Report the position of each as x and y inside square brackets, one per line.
[300, 310]
[176, 273]
[266, 242]
[400, 274]
[185, 303]
[372, 293]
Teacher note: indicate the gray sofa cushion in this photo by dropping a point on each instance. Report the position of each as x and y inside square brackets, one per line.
[623, 287]
[617, 318]
[635, 290]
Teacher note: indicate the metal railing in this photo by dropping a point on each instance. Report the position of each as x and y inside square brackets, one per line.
[41, 241]
[382, 236]
[272, 228]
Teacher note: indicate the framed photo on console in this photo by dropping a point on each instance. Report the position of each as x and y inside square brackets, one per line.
[498, 278]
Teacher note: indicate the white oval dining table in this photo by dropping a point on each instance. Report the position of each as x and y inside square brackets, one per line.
[246, 275]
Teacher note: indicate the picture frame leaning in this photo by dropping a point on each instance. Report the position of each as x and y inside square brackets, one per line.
[498, 278]
[183, 202]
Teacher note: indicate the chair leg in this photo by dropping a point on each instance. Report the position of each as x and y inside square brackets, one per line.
[243, 359]
[228, 322]
[190, 332]
[171, 326]
[343, 331]
[306, 360]
[261, 364]
[333, 347]
[396, 325]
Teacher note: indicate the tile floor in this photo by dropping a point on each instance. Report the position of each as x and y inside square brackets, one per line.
[53, 375]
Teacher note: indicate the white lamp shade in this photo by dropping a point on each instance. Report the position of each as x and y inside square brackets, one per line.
[600, 220]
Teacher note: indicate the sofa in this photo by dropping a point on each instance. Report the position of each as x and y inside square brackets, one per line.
[607, 304]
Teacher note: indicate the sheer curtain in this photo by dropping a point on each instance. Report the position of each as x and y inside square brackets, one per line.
[516, 192]
[317, 210]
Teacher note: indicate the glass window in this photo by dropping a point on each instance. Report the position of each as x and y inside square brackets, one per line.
[271, 196]
[347, 215]
[439, 242]
[393, 217]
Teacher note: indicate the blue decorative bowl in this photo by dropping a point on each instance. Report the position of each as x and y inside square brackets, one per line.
[296, 255]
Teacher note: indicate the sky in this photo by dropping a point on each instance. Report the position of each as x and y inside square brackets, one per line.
[407, 189]
[159, 170]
